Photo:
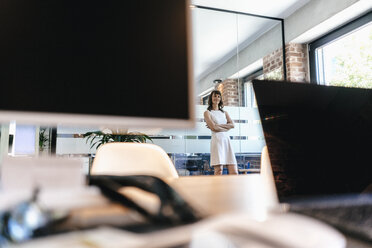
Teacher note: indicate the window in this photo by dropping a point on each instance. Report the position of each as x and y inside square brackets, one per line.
[344, 57]
[249, 97]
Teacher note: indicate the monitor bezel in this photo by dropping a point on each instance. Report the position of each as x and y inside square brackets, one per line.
[93, 120]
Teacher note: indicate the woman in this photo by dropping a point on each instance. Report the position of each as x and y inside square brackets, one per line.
[219, 122]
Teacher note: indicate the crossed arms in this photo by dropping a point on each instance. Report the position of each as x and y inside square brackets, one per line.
[218, 127]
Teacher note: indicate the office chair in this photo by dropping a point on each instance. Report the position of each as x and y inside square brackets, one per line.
[123, 159]
[135, 159]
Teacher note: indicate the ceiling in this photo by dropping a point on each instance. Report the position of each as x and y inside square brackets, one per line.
[216, 34]
[280, 9]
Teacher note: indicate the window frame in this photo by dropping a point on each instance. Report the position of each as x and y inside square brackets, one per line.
[249, 90]
[330, 37]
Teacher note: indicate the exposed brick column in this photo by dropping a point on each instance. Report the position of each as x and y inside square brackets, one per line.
[296, 61]
[229, 91]
[272, 65]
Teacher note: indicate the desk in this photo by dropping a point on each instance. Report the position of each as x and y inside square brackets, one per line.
[220, 194]
[210, 195]
[245, 171]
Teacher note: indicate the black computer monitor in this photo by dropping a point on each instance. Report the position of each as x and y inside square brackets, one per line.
[111, 62]
[319, 138]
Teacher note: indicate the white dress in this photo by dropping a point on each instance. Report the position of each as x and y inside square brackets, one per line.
[221, 150]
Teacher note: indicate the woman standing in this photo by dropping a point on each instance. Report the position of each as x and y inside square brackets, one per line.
[219, 122]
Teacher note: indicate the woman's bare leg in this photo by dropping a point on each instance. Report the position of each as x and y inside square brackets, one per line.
[218, 169]
[233, 169]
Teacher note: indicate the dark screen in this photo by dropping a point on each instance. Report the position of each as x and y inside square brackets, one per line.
[111, 57]
[319, 138]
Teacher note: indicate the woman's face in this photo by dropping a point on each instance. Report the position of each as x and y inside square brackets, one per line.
[216, 98]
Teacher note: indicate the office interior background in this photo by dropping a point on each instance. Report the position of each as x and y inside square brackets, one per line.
[325, 42]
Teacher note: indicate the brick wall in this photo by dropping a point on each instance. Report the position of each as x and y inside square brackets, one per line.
[272, 65]
[229, 90]
[296, 61]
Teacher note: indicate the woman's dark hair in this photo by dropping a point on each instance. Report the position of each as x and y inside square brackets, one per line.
[220, 104]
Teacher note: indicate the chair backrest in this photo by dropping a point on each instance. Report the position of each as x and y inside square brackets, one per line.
[133, 159]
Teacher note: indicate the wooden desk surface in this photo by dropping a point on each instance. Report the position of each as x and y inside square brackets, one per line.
[220, 194]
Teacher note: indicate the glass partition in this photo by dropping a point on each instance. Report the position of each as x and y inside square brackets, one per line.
[228, 52]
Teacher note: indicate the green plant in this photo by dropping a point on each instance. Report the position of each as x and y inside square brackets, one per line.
[353, 63]
[98, 138]
[43, 138]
